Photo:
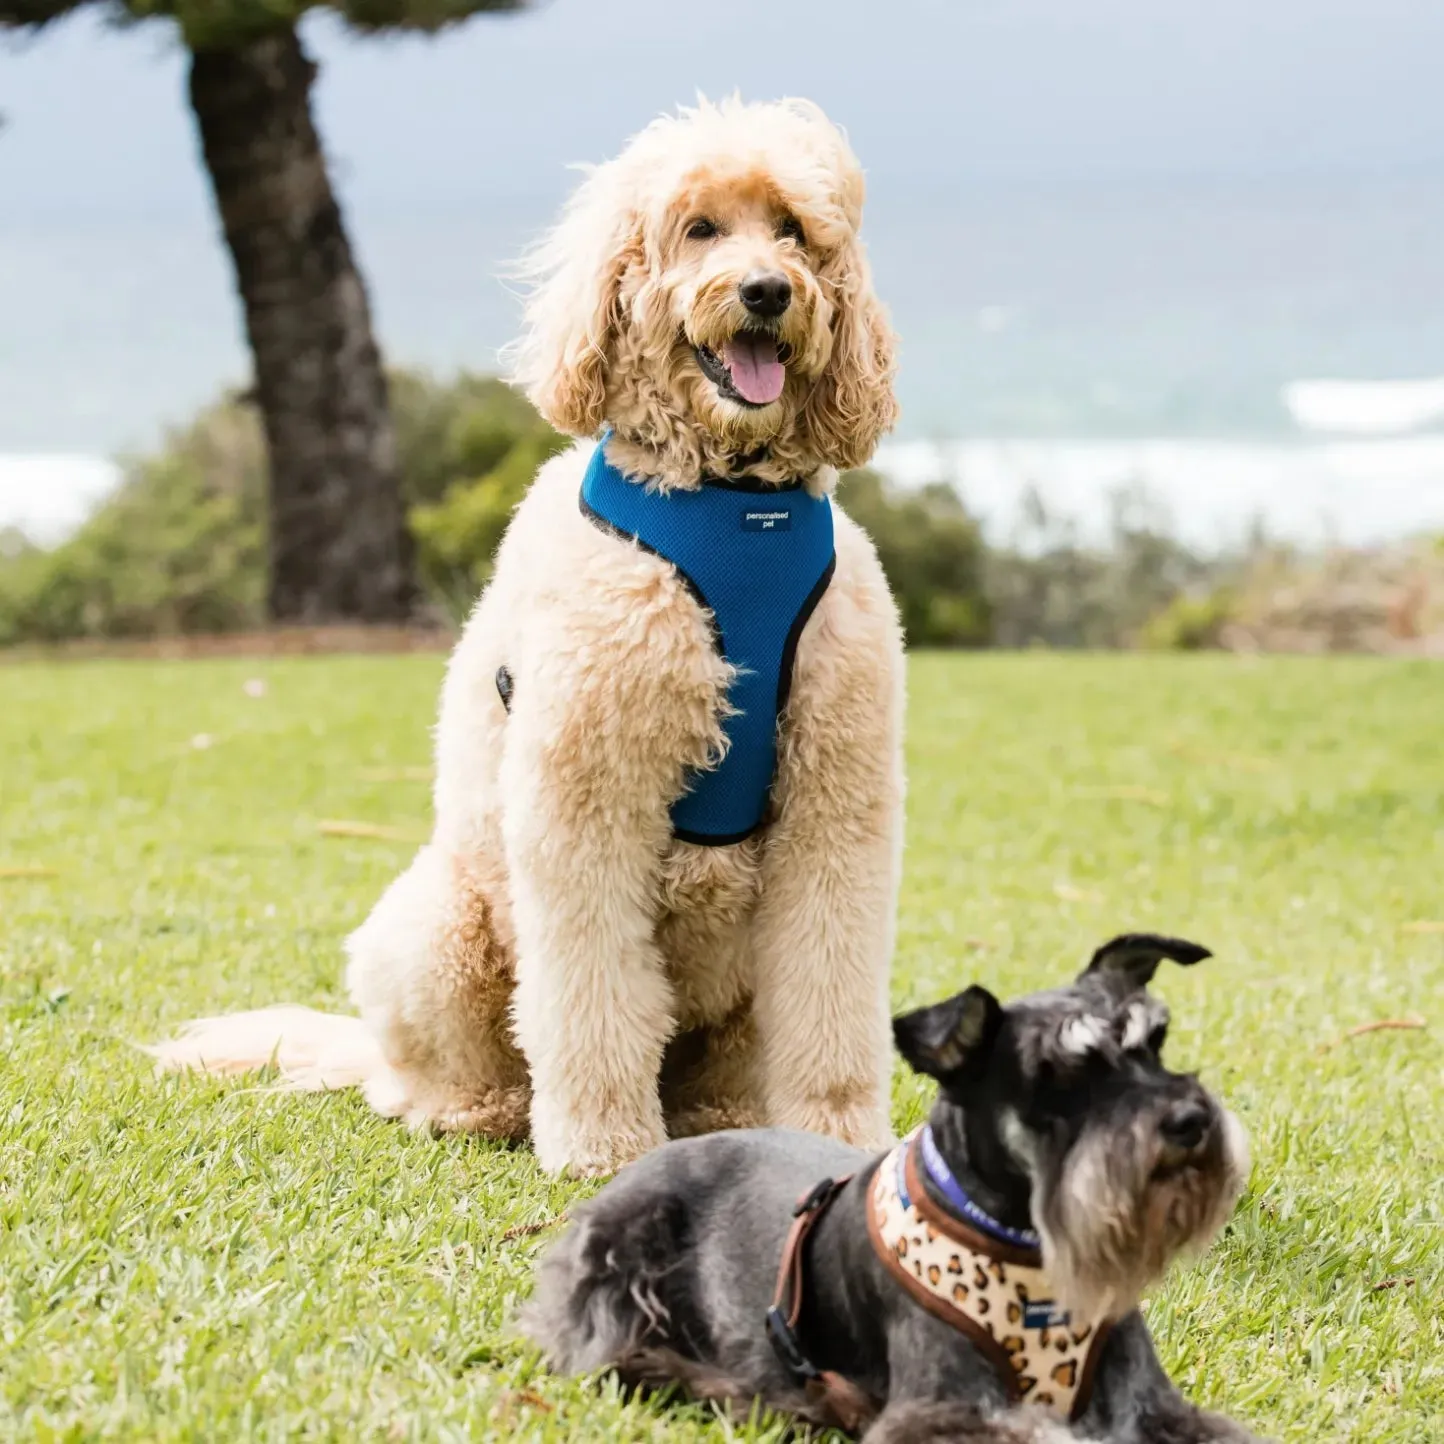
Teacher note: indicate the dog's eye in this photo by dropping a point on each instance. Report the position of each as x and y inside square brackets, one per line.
[789, 228]
[1157, 1038]
[701, 229]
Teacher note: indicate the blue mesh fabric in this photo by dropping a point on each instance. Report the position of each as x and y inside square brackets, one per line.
[760, 561]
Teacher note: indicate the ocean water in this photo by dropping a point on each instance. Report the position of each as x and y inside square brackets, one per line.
[1268, 348]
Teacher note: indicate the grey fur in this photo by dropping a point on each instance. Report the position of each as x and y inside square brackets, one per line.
[667, 1274]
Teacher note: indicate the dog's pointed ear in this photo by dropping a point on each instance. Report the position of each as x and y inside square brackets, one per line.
[1133, 958]
[949, 1038]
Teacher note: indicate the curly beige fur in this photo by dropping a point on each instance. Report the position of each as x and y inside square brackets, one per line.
[554, 962]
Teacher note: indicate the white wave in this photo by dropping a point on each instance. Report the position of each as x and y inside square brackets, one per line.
[47, 495]
[1365, 408]
[1209, 491]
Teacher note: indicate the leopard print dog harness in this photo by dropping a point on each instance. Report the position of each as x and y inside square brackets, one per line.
[994, 1292]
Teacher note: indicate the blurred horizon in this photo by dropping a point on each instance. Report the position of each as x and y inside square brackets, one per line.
[1134, 224]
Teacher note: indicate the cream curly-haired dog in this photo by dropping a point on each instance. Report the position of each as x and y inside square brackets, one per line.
[557, 960]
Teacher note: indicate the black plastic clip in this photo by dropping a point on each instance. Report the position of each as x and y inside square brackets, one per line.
[784, 1342]
[820, 1196]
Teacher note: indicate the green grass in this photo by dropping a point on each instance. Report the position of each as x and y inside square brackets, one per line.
[186, 1260]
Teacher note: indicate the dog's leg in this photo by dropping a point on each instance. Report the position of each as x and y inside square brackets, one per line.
[1139, 1402]
[430, 970]
[593, 1007]
[823, 935]
[599, 738]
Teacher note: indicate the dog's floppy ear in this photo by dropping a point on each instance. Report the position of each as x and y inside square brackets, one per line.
[1133, 958]
[949, 1038]
[852, 405]
[574, 311]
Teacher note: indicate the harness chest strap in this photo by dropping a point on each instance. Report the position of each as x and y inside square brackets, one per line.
[994, 1292]
[757, 558]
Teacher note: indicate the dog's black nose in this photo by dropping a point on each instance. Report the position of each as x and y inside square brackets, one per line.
[1187, 1124]
[766, 293]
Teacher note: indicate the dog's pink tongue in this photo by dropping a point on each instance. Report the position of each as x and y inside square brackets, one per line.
[756, 372]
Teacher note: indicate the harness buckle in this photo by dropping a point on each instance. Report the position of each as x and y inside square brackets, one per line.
[819, 1197]
[784, 1342]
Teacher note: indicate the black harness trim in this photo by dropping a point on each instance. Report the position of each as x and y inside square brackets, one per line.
[794, 636]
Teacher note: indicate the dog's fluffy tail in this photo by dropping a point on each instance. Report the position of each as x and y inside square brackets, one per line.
[313, 1052]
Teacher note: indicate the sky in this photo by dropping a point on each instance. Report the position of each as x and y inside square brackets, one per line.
[930, 90]
[117, 311]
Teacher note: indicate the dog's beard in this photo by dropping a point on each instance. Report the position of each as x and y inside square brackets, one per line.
[1115, 1216]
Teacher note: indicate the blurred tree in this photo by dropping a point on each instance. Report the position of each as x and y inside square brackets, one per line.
[337, 541]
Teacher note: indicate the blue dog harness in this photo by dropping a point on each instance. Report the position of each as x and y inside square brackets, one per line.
[758, 558]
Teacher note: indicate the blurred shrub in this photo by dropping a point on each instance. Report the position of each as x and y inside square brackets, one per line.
[1192, 622]
[933, 554]
[1048, 587]
[468, 453]
[177, 548]
[1382, 599]
[450, 432]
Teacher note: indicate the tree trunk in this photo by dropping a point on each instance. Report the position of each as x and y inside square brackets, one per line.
[339, 548]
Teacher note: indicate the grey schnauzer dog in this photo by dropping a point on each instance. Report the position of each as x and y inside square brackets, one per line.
[978, 1283]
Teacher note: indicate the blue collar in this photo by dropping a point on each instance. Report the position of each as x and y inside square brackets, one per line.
[937, 1170]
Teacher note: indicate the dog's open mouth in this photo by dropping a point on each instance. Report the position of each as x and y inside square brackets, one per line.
[751, 370]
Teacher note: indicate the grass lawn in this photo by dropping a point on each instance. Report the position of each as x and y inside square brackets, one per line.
[188, 1260]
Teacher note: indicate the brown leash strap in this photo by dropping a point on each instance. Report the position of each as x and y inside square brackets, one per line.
[847, 1402]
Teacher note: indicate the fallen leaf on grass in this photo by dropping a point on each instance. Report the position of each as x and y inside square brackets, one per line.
[1069, 893]
[512, 1397]
[375, 830]
[23, 870]
[1379, 1025]
[1393, 1283]
[526, 1230]
[1423, 925]
[398, 774]
[1127, 793]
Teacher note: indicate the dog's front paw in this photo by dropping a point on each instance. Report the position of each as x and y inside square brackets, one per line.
[594, 1147]
[499, 1113]
[601, 1157]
